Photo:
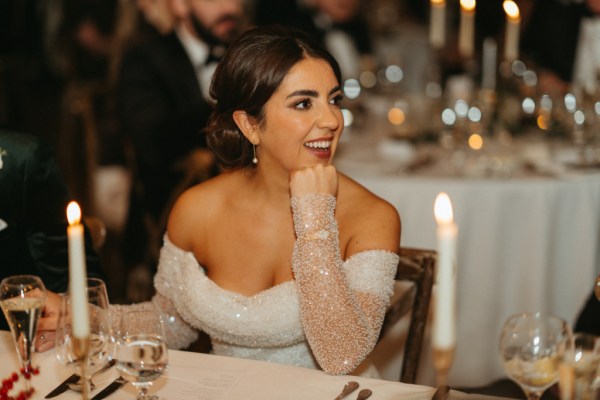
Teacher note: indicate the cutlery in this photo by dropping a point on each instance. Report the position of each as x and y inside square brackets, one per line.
[364, 394]
[77, 386]
[441, 393]
[348, 388]
[110, 389]
[63, 387]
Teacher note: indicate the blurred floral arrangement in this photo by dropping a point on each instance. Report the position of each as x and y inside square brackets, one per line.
[9, 383]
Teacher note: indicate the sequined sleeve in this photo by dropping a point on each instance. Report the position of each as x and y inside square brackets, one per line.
[342, 306]
[179, 333]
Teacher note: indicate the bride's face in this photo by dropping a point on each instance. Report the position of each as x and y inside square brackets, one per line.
[303, 120]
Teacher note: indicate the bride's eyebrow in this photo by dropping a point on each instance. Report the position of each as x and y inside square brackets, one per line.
[303, 92]
[311, 93]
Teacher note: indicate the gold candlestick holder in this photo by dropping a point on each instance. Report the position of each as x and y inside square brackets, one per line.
[442, 362]
[81, 350]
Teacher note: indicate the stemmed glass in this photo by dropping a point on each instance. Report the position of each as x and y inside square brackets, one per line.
[100, 331]
[532, 346]
[22, 298]
[142, 349]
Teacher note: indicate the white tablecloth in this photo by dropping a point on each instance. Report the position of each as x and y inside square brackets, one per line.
[528, 243]
[195, 376]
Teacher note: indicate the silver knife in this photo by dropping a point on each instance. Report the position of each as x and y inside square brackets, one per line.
[110, 389]
[63, 386]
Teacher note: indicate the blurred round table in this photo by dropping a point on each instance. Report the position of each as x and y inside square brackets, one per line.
[526, 242]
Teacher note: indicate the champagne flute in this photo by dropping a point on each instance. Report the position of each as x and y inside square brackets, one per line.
[532, 346]
[22, 298]
[100, 349]
[142, 349]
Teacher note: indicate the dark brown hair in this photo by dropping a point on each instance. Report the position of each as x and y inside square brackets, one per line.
[250, 72]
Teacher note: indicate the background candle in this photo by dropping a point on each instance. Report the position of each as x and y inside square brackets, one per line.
[511, 36]
[488, 78]
[444, 324]
[466, 35]
[77, 273]
[437, 23]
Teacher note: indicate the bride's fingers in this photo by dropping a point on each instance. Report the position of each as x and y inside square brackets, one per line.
[44, 340]
[47, 323]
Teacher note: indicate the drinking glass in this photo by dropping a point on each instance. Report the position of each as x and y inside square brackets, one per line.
[100, 349]
[142, 349]
[22, 298]
[579, 368]
[532, 346]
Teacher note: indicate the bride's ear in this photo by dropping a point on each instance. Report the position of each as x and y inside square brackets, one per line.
[247, 125]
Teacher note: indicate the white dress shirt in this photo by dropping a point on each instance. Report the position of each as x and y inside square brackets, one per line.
[198, 52]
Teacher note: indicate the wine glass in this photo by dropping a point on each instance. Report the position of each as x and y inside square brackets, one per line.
[22, 298]
[100, 349]
[579, 368]
[142, 349]
[532, 346]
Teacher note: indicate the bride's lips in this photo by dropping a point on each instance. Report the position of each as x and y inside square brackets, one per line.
[320, 148]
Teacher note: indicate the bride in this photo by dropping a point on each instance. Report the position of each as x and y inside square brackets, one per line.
[280, 257]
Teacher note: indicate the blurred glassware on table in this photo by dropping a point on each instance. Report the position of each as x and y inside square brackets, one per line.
[22, 298]
[101, 334]
[579, 369]
[532, 346]
[141, 349]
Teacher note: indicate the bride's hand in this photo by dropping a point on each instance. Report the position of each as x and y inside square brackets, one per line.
[316, 179]
[47, 324]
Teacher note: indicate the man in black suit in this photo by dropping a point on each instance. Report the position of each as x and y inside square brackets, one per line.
[340, 25]
[33, 222]
[163, 103]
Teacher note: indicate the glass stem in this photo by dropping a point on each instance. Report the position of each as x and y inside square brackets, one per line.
[142, 393]
[534, 396]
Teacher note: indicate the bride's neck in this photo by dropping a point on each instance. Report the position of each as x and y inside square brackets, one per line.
[269, 185]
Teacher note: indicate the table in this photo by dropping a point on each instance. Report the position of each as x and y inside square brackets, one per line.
[526, 243]
[208, 377]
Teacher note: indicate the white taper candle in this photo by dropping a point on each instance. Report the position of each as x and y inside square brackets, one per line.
[77, 273]
[444, 317]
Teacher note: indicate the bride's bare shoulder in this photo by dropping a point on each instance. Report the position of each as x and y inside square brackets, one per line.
[353, 194]
[372, 219]
[194, 208]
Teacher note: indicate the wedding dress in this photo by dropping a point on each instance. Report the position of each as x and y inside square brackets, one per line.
[294, 322]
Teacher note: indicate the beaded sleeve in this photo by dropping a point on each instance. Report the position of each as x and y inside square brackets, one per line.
[341, 320]
[179, 333]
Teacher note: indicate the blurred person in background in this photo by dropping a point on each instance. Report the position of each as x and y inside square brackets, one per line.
[90, 38]
[163, 105]
[338, 24]
[562, 38]
[33, 221]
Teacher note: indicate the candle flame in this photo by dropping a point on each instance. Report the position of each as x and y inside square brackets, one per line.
[511, 9]
[443, 209]
[73, 213]
[467, 5]
[438, 2]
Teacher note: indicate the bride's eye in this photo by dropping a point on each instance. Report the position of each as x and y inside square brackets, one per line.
[303, 104]
[336, 100]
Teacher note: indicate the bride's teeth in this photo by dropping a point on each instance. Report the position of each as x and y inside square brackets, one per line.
[324, 144]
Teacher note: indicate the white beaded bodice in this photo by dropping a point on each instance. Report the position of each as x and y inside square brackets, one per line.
[267, 325]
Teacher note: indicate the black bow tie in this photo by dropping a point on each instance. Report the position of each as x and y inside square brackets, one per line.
[214, 55]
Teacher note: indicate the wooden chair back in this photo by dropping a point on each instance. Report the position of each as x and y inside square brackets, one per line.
[416, 266]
